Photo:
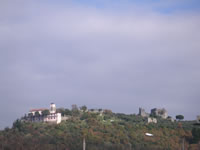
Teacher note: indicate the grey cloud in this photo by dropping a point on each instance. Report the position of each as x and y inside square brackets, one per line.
[72, 54]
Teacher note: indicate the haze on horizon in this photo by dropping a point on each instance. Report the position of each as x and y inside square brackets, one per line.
[119, 55]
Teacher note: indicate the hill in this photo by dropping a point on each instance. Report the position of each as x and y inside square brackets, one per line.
[102, 131]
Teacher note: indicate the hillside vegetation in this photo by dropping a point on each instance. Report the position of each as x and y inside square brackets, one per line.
[106, 131]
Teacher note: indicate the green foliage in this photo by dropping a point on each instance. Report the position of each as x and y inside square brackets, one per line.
[108, 131]
[75, 111]
[83, 108]
[180, 117]
[45, 112]
[100, 110]
[37, 114]
[17, 125]
[61, 110]
[196, 135]
[30, 115]
[67, 112]
[85, 116]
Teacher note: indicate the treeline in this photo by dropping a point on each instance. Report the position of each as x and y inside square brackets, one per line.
[102, 131]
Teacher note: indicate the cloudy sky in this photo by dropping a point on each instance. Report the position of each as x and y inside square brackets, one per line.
[115, 54]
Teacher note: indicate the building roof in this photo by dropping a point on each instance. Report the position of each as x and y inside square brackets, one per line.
[40, 109]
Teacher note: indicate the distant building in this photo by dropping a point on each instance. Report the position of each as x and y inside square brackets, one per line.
[100, 111]
[143, 113]
[33, 111]
[159, 112]
[151, 120]
[35, 115]
[170, 119]
[96, 110]
[198, 119]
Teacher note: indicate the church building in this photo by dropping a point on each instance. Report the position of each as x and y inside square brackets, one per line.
[45, 115]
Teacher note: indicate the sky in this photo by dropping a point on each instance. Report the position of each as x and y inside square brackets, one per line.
[111, 54]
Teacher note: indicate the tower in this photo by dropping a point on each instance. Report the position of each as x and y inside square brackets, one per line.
[143, 113]
[52, 108]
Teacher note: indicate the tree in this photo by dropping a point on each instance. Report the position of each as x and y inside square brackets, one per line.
[17, 124]
[61, 110]
[100, 110]
[45, 112]
[68, 112]
[75, 110]
[196, 135]
[179, 117]
[37, 114]
[169, 117]
[30, 115]
[83, 108]
[84, 116]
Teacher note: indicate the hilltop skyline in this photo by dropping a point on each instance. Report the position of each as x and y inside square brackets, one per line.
[118, 55]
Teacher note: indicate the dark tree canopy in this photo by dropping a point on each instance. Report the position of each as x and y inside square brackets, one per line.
[37, 113]
[180, 117]
[45, 112]
[68, 112]
[61, 110]
[196, 135]
[83, 108]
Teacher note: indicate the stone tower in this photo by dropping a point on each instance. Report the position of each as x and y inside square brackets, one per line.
[143, 113]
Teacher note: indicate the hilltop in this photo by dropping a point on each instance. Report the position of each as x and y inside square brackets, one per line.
[102, 130]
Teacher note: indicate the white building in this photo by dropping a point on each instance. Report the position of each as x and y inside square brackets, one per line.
[151, 120]
[36, 115]
[33, 111]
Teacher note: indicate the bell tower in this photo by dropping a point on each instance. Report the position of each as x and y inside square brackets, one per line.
[52, 108]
